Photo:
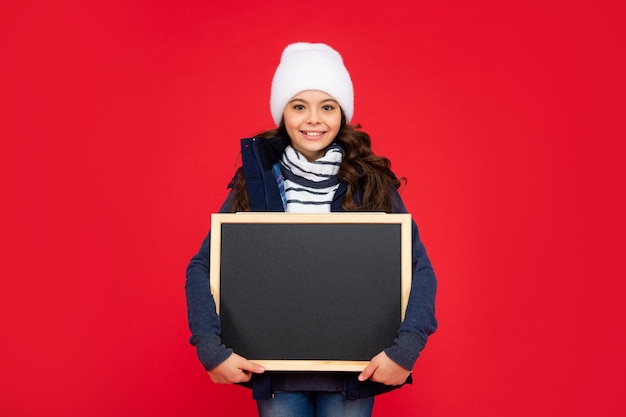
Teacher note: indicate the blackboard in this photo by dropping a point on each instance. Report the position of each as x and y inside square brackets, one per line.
[310, 292]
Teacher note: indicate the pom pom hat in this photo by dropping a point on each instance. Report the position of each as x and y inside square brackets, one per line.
[311, 66]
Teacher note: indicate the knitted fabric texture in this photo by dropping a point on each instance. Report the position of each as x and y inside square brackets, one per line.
[310, 186]
[311, 66]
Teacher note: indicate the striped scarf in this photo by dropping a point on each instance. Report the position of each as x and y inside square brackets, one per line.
[310, 186]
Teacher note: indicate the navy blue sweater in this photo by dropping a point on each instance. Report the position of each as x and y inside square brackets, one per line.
[258, 157]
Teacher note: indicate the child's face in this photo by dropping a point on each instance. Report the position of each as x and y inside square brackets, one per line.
[312, 119]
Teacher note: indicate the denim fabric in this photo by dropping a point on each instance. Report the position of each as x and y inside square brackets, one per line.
[314, 404]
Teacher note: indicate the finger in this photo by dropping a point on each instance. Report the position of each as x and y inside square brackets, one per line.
[367, 372]
[244, 376]
[252, 367]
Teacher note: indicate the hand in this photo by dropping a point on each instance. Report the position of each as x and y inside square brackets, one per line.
[235, 369]
[384, 370]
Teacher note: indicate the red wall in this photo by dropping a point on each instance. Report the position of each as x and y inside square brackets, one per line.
[120, 123]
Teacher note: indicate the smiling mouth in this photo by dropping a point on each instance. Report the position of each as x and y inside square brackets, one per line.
[312, 134]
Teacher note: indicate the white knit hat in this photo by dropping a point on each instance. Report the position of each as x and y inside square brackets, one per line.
[311, 66]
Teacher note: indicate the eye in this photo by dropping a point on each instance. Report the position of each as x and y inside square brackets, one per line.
[328, 107]
[298, 107]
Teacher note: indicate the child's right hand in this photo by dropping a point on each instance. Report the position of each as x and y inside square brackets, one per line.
[235, 369]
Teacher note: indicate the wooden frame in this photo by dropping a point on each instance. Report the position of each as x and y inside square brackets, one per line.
[223, 225]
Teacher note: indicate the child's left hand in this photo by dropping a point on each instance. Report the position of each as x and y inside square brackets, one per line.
[384, 370]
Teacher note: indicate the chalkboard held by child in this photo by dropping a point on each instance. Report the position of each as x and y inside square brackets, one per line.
[314, 161]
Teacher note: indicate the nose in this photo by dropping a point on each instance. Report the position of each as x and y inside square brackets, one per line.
[313, 118]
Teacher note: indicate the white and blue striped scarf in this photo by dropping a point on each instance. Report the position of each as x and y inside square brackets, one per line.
[310, 186]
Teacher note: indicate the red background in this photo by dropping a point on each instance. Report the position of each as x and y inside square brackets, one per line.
[120, 124]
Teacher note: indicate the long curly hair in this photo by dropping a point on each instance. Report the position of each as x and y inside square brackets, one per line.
[369, 177]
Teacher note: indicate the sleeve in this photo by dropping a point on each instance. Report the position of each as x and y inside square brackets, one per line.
[202, 316]
[419, 319]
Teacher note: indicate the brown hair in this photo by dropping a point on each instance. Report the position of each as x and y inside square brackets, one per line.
[360, 168]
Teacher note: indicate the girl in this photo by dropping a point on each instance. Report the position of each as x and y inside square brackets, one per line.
[315, 161]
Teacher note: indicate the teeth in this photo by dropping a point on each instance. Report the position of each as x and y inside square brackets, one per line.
[313, 133]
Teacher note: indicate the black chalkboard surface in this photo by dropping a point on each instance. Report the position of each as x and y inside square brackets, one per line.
[310, 292]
